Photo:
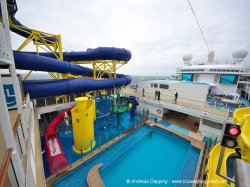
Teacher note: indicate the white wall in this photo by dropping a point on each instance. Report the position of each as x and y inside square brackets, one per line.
[226, 88]
[190, 91]
[155, 110]
[206, 78]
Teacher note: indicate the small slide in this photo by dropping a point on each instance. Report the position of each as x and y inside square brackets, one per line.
[55, 153]
[212, 166]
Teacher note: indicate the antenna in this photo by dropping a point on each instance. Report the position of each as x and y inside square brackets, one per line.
[198, 25]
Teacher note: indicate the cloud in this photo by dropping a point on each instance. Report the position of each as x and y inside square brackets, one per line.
[158, 33]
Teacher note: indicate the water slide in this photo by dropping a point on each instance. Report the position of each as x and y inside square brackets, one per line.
[47, 62]
[212, 166]
[42, 88]
[55, 153]
[242, 117]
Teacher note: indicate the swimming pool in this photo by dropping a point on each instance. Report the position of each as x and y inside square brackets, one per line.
[147, 153]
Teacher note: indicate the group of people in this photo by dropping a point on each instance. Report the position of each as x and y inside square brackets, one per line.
[157, 95]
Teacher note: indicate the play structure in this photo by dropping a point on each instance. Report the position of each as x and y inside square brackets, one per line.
[83, 116]
[241, 117]
[100, 85]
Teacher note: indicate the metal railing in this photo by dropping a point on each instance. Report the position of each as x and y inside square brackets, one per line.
[53, 100]
[198, 105]
[29, 119]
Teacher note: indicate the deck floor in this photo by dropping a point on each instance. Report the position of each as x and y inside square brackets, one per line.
[39, 160]
[94, 179]
[186, 123]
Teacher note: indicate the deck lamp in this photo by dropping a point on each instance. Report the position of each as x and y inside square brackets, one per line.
[230, 136]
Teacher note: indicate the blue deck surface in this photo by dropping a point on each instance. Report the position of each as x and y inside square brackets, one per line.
[189, 166]
[174, 127]
[217, 104]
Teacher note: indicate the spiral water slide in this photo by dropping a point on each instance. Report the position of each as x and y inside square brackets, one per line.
[47, 88]
[47, 62]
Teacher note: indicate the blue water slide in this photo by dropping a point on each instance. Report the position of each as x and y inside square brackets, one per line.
[48, 63]
[30, 61]
[48, 88]
[100, 53]
[25, 31]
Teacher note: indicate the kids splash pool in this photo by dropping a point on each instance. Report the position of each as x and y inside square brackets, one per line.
[147, 154]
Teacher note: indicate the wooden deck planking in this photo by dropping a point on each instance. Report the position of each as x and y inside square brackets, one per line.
[93, 178]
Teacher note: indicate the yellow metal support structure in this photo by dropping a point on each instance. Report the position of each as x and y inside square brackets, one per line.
[103, 67]
[83, 116]
[42, 40]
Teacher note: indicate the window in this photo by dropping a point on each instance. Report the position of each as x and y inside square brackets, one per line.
[187, 76]
[155, 85]
[164, 86]
[228, 79]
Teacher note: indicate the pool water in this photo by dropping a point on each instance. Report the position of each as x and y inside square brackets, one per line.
[102, 135]
[147, 153]
[160, 156]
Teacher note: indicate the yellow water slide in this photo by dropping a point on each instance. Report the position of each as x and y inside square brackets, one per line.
[242, 118]
[212, 179]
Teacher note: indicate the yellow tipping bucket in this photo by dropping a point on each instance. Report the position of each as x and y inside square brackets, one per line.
[83, 116]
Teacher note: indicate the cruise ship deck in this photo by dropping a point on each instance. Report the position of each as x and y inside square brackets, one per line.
[89, 125]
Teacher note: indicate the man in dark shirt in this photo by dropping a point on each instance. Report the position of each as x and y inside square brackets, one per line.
[175, 97]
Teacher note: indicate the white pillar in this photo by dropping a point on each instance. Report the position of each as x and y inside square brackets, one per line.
[12, 67]
[5, 120]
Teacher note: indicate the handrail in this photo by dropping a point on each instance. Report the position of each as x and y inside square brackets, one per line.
[17, 123]
[181, 101]
[5, 166]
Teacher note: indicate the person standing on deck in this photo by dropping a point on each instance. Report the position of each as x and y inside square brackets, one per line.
[159, 95]
[156, 94]
[143, 94]
[175, 97]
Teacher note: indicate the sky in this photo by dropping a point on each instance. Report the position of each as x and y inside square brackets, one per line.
[157, 32]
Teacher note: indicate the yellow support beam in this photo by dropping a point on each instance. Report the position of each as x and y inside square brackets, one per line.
[28, 74]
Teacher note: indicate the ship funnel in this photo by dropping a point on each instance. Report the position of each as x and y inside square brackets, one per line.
[239, 54]
[187, 59]
[210, 59]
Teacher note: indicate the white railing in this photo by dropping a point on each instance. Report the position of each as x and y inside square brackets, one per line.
[5, 41]
[198, 105]
[29, 119]
[3, 53]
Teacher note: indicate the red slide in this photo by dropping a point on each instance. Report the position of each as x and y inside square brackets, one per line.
[55, 153]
